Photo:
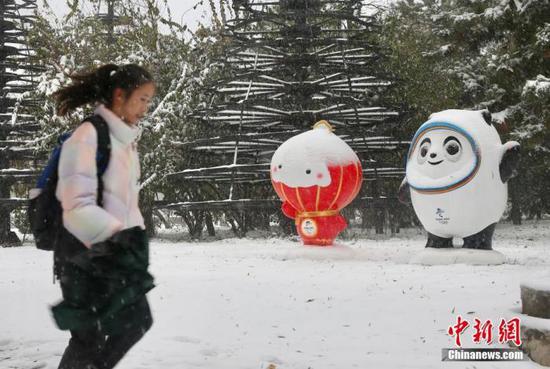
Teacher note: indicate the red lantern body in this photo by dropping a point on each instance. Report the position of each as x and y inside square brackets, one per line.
[316, 209]
[316, 174]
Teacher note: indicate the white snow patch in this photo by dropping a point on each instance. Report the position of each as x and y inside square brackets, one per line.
[432, 256]
[500, 117]
[540, 85]
[539, 282]
[245, 303]
[531, 322]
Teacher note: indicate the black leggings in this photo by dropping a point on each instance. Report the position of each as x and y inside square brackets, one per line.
[91, 349]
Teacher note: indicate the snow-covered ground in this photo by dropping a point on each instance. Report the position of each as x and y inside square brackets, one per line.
[245, 303]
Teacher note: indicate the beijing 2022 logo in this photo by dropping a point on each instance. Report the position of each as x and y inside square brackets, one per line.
[440, 216]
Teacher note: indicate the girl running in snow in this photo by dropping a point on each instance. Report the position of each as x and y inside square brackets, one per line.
[103, 255]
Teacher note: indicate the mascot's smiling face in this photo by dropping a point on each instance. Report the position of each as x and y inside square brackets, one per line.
[442, 152]
[298, 168]
[442, 157]
[304, 160]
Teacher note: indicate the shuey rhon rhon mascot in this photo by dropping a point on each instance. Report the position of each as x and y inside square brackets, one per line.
[316, 174]
[457, 173]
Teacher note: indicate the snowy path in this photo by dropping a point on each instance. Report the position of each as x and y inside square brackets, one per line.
[240, 304]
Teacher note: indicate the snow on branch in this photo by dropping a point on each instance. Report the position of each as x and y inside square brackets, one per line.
[539, 85]
[171, 93]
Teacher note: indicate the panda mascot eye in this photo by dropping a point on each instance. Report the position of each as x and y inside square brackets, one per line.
[453, 148]
[423, 152]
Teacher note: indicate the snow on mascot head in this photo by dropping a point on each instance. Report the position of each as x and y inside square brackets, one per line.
[457, 173]
[316, 174]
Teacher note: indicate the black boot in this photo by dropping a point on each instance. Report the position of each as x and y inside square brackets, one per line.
[482, 240]
[439, 242]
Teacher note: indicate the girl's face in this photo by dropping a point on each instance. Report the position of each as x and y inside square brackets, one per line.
[131, 109]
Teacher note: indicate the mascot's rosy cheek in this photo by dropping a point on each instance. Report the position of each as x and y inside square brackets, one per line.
[316, 208]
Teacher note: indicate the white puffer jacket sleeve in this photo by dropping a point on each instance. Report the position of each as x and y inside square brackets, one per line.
[77, 189]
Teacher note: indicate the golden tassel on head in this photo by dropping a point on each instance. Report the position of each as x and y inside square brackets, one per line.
[325, 124]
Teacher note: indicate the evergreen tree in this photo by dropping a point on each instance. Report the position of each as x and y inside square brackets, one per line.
[490, 52]
[289, 64]
[82, 41]
[16, 126]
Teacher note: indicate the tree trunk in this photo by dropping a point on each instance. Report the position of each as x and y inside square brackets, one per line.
[209, 224]
[194, 221]
[8, 238]
[515, 212]
[163, 218]
[286, 224]
[379, 221]
[394, 215]
[238, 223]
[149, 222]
[264, 219]
[365, 218]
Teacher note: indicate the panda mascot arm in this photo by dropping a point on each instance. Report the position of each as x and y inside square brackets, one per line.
[509, 161]
[404, 194]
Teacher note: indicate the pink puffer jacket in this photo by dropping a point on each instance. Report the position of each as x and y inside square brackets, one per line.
[77, 186]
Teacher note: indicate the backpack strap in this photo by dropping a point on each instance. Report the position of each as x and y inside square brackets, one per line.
[103, 151]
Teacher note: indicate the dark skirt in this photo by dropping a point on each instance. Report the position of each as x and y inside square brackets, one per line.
[104, 287]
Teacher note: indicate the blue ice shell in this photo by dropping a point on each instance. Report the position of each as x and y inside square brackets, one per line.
[460, 182]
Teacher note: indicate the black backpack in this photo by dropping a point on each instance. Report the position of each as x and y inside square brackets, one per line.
[44, 211]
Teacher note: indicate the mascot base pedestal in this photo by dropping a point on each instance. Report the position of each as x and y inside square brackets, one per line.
[447, 256]
[320, 230]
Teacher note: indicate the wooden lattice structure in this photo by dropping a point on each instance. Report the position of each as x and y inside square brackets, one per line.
[291, 63]
[17, 78]
[21, 160]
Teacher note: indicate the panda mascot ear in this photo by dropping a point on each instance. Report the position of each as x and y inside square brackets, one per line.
[487, 116]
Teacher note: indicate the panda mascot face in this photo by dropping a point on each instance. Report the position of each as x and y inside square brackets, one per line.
[443, 157]
[455, 173]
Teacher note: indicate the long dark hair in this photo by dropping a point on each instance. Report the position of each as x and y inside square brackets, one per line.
[98, 85]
